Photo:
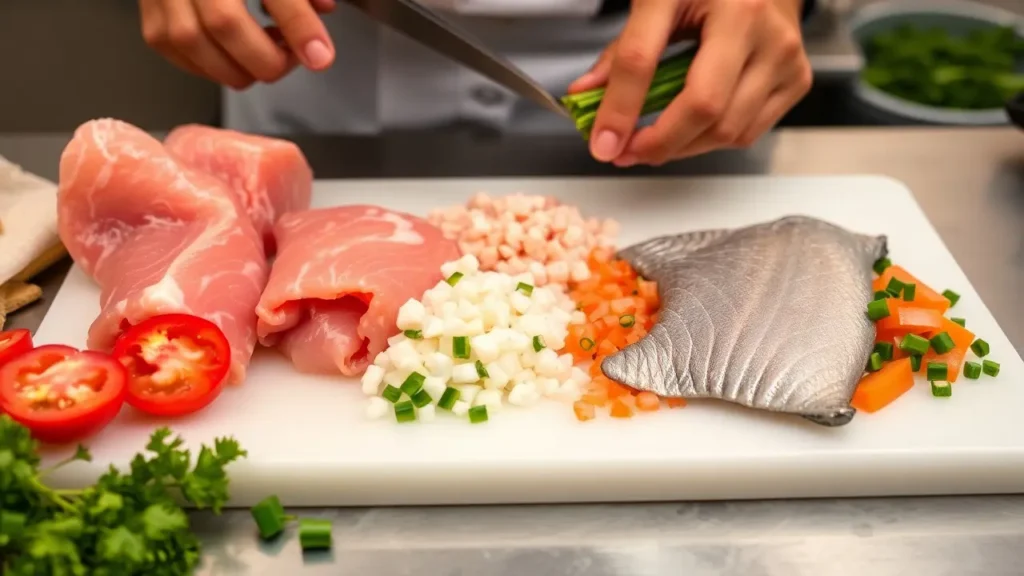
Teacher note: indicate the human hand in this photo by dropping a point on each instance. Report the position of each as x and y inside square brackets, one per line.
[749, 70]
[221, 41]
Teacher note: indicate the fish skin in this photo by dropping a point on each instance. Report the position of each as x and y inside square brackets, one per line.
[729, 297]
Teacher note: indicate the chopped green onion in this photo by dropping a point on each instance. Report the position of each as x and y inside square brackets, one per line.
[421, 399]
[480, 370]
[914, 344]
[448, 398]
[314, 533]
[989, 367]
[942, 389]
[894, 287]
[959, 321]
[915, 362]
[586, 344]
[882, 295]
[875, 362]
[942, 342]
[460, 347]
[972, 370]
[953, 297]
[909, 291]
[269, 516]
[391, 394]
[884, 350]
[524, 288]
[980, 348]
[937, 372]
[881, 264]
[413, 383]
[405, 411]
[538, 343]
[878, 309]
[454, 278]
[627, 320]
[414, 334]
[478, 414]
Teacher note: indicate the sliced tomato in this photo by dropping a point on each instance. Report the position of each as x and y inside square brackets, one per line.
[14, 343]
[176, 363]
[62, 394]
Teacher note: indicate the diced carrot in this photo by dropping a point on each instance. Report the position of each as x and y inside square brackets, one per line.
[606, 348]
[924, 296]
[954, 359]
[962, 337]
[595, 368]
[584, 411]
[599, 311]
[647, 401]
[617, 338]
[621, 306]
[905, 319]
[621, 410]
[676, 402]
[595, 396]
[616, 390]
[610, 291]
[879, 389]
[648, 291]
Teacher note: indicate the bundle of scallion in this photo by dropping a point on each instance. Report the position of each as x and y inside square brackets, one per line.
[667, 83]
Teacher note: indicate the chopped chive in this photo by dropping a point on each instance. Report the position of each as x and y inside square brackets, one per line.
[454, 278]
[942, 390]
[391, 394]
[909, 291]
[414, 334]
[972, 370]
[478, 414]
[915, 362]
[314, 533]
[269, 516]
[627, 320]
[894, 287]
[914, 344]
[586, 344]
[460, 347]
[989, 367]
[937, 372]
[875, 362]
[538, 343]
[413, 383]
[881, 295]
[480, 370]
[980, 347]
[878, 309]
[881, 264]
[524, 288]
[405, 411]
[959, 321]
[953, 297]
[942, 342]
[884, 350]
[448, 398]
[421, 399]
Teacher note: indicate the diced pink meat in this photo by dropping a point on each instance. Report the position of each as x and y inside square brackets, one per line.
[269, 176]
[158, 237]
[339, 278]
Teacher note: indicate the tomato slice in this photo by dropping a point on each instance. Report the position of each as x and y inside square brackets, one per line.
[62, 394]
[14, 343]
[176, 363]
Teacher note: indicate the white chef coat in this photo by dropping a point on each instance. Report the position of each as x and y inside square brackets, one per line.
[381, 80]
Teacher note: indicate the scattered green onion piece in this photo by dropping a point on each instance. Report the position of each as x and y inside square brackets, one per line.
[915, 362]
[478, 414]
[448, 398]
[953, 297]
[937, 372]
[524, 288]
[460, 347]
[538, 343]
[454, 278]
[314, 533]
[989, 367]
[878, 309]
[480, 370]
[269, 516]
[414, 334]
[942, 342]
[875, 362]
[894, 287]
[914, 344]
[884, 350]
[881, 264]
[972, 370]
[391, 394]
[586, 344]
[942, 389]
[980, 347]
[909, 292]
[627, 320]
[959, 321]
[405, 411]
[882, 295]
[413, 383]
[421, 399]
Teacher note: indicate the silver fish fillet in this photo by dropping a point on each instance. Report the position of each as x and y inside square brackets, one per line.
[771, 316]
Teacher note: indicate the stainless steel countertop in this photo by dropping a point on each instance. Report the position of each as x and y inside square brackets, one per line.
[970, 183]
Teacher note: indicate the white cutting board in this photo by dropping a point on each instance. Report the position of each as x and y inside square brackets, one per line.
[310, 443]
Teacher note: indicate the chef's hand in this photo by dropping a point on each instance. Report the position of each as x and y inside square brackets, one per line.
[749, 71]
[220, 40]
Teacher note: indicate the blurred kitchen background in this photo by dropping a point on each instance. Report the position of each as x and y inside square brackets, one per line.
[66, 61]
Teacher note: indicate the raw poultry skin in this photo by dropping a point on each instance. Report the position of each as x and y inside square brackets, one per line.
[339, 278]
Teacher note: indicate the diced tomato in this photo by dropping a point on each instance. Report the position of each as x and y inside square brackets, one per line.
[14, 343]
[62, 394]
[176, 363]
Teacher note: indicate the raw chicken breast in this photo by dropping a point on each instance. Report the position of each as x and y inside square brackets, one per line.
[269, 176]
[339, 279]
[158, 237]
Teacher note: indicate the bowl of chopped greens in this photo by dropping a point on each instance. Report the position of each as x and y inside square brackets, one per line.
[938, 62]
